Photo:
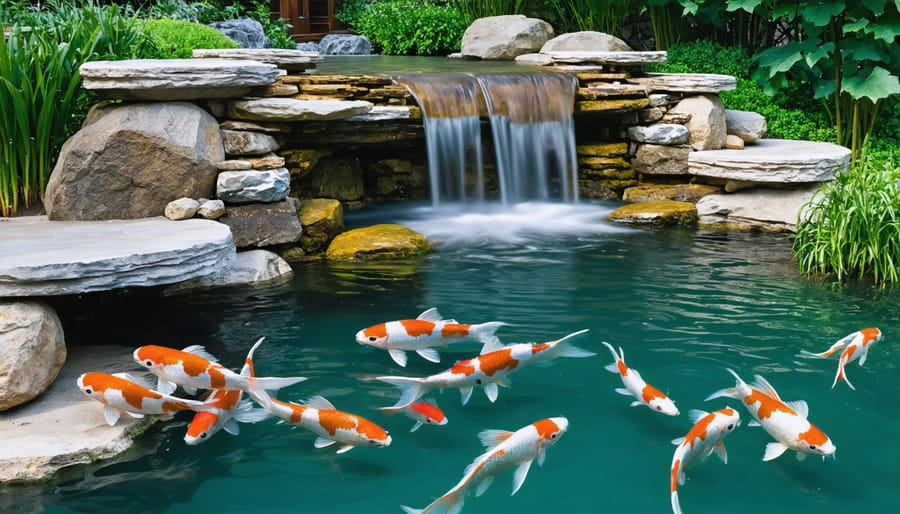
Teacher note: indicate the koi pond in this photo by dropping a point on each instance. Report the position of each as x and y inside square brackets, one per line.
[684, 305]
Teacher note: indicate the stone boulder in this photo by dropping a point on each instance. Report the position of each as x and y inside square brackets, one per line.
[770, 161]
[504, 37]
[334, 177]
[669, 134]
[252, 267]
[775, 210]
[284, 58]
[291, 109]
[707, 120]
[585, 41]
[32, 351]
[378, 242]
[263, 224]
[246, 32]
[656, 213]
[241, 142]
[182, 209]
[661, 159]
[679, 192]
[134, 159]
[322, 220]
[747, 125]
[253, 185]
[345, 44]
[43, 258]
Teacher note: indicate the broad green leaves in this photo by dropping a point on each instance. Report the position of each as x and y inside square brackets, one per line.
[875, 85]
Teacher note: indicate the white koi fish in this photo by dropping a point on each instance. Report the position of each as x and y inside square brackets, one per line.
[331, 426]
[425, 332]
[423, 413]
[703, 438]
[505, 450]
[227, 409]
[122, 393]
[785, 422]
[488, 370]
[855, 345]
[194, 368]
[635, 386]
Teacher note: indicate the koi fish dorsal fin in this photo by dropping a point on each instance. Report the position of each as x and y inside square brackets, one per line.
[131, 377]
[800, 407]
[677, 441]
[199, 351]
[431, 314]
[763, 385]
[492, 438]
[319, 402]
[696, 415]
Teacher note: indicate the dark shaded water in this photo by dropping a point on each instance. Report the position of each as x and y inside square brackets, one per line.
[684, 305]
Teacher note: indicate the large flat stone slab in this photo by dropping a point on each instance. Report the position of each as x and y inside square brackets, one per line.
[773, 161]
[63, 427]
[177, 79]
[685, 82]
[774, 210]
[609, 58]
[43, 258]
[290, 109]
[284, 58]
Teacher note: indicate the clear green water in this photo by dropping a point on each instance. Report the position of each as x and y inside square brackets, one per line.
[369, 64]
[684, 305]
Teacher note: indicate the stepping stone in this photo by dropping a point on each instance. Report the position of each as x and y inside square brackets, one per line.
[176, 79]
[773, 161]
[284, 58]
[614, 58]
[44, 258]
[685, 82]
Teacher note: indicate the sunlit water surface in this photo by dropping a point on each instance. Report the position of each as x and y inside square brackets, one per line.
[683, 305]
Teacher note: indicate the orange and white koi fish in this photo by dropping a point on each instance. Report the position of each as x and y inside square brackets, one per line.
[226, 409]
[786, 422]
[488, 370]
[423, 413]
[194, 368]
[703, 438]
[635, 386]
[505, 450]
[425, 332]
[855, 345]
[331, 426]
[121, 392]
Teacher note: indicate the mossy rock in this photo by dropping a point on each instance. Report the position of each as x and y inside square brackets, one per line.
[322, 220]
[656, 213]
[378, 242]
[678, 192]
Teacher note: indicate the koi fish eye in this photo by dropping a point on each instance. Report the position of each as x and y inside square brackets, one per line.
[812, 447]
[373, 338]
[553, 435]
[88, 391]
[148, 363]
[731, 426]
[203, 435]
[659, 408]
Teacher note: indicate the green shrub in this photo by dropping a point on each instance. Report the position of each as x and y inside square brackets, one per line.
[349, 12]
[474, 9]
[853, 225]
[175, 39]
[413, 27]
[211, 11]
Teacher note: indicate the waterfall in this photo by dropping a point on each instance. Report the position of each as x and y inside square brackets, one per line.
[533, 133]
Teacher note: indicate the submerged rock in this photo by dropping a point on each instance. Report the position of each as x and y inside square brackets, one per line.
[322, 220]
[657, 213]
[678, 192]
[378, 242]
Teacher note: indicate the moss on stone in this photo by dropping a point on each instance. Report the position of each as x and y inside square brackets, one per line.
[378, 242]
[657, 213]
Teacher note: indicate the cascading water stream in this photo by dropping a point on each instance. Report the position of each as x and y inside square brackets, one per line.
[533, 131]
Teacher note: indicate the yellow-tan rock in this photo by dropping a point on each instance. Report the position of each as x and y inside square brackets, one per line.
[322, 220]
[378, 242]
[657, 213]
[679, 192]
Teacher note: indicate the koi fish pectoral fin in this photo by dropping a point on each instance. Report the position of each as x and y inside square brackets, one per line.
[491, 391]
[773, 451]
[429, 354]
[416, 426]
[164, 386]
[466, 393]
[542, 456]
[519, 476]
[623, 391]
[321, 442]
[111, 415]
[754, 423]
[344, 449]
[863, 355]
[483, 486]
[231, 426]
[720, 451]
[801, 456]
[612, 368]
[492, 438]
[635, 404]
[399, 357]
[800, 407]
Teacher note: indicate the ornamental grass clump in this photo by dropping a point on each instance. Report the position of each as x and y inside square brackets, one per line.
[851, 227]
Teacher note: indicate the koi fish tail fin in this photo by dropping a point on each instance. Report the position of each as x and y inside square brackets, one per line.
[245, 412]
[830, 351]
[247, 370]
[564, 348]
[484, 332]
[410, 389]
[676, 507]
[842, 375]
[729, 392]
[612, 368]
[259, 394]
[410, 510]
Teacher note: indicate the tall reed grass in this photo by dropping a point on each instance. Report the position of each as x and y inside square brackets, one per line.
[40, 95]
[852, 226]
